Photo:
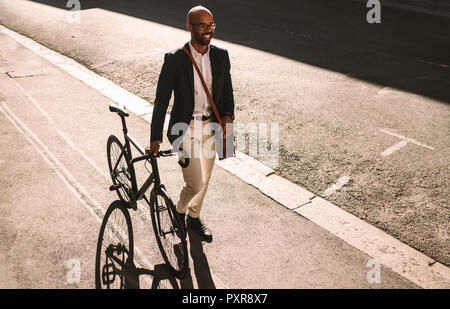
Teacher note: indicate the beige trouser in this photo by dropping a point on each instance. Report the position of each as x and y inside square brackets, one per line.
[198, 142]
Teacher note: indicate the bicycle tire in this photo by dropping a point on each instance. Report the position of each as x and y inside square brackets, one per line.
[114, 149]
[116, 218]
[174, 233]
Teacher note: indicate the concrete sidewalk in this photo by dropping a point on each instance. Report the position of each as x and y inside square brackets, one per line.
[258, 243]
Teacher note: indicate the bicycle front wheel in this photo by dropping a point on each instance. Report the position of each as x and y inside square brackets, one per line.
[118, 168]
[170, 234]
[114, 257]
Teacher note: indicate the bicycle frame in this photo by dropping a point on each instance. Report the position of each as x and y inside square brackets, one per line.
[154, 176]
[166, 223]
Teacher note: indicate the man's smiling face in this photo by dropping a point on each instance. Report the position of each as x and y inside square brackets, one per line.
[201, 19]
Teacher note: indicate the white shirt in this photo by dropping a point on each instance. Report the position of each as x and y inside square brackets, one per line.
[201, 102]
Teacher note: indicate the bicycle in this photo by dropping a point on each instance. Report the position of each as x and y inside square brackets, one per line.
[113, 260]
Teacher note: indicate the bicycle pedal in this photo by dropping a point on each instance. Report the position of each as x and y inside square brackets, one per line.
[115, 187]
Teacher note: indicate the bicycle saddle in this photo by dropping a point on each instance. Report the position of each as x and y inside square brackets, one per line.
[118, 109]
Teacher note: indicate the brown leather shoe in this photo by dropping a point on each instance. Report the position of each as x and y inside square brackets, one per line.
[197, 225]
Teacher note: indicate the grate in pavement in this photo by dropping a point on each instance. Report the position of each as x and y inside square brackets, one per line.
[26, 73]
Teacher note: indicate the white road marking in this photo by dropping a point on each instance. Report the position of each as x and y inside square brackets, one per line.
[404, 141]
[396, 147]
[144, 212]
[339, 184]
[63, 135]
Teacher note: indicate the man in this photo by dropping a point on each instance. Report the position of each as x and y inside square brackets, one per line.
[191, 106]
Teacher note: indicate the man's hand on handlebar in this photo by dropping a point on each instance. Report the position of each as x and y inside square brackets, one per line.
[153, 148]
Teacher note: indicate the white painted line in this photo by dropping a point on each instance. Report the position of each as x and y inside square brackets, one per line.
[144, 213]
[392, 133]
[405, 260]
[396, 147]
[420, 144]
[64, 136]
[50, 158]
[339, 184]
[389, 251]
[404, 141]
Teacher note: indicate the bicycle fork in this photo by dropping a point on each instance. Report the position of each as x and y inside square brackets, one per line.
[160, 210]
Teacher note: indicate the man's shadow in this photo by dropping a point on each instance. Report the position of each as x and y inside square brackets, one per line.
[200, 264]
[163, 279]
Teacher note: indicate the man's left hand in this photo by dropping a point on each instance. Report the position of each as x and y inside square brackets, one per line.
[227, 123]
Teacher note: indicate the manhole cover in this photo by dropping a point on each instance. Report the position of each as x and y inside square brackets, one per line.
[26, 73]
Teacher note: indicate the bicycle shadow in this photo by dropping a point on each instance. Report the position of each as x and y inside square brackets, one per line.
[200, 264]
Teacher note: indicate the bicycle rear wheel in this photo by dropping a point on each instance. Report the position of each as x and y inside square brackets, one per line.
[118, 168]
[115, 247]
[170, 234]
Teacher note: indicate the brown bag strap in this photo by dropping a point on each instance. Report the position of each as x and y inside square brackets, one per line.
[208, 94]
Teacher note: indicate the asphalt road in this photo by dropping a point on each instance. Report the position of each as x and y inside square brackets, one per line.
[54, 191]
[341, 90]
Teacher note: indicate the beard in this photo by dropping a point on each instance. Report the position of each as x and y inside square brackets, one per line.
[202, 40]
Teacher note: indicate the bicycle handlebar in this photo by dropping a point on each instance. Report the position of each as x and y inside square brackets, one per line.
[162, 153]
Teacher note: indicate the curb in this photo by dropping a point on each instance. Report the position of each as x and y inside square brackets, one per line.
[390, 252]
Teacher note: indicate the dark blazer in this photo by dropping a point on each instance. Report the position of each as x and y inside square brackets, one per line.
[177, 74]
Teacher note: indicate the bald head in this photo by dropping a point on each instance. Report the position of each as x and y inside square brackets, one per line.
[201, 25]
[197, 13]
